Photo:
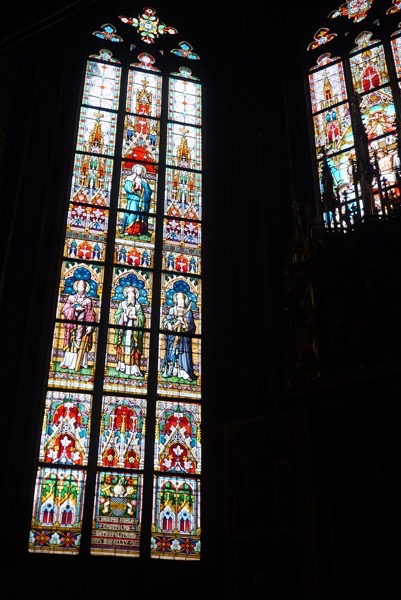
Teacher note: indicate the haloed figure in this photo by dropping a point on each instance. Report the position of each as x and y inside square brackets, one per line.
[78, 335]
[138, 192]
[178, 360]
[129, 341]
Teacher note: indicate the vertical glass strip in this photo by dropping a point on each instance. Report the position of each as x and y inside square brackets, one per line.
[119, 496]
[176, 499]
[60, 488]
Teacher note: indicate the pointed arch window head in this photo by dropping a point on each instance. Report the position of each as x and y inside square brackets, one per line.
[146, 61]
[120, 458]
[354, 91]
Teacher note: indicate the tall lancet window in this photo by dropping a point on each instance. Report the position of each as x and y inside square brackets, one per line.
[355, 108]
[119, 463]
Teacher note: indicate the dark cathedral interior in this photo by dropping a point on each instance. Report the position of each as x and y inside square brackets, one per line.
[302, 324]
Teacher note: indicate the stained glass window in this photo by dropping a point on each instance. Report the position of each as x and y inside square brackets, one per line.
[121, 439]
[354, 90]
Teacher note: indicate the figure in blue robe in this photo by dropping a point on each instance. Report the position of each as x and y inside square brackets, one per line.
[178, 361]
